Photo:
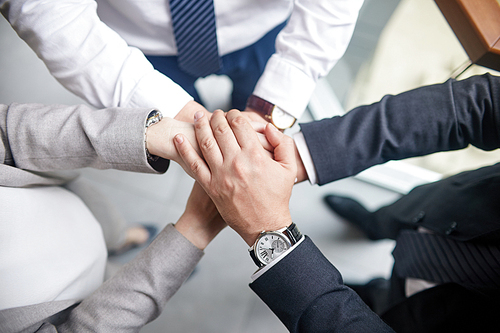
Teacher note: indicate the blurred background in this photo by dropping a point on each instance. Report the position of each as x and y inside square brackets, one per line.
[397, 46]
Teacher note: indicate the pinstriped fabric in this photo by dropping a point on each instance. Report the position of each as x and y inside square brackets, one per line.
[435, 258]
[195, 34]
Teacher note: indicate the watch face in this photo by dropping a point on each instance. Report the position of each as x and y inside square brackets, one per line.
[281, 119]
[270, 246]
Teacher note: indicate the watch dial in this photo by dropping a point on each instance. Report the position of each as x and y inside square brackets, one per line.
[281, 119]
[270, 247]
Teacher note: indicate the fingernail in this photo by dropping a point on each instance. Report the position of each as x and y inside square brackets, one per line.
[198, 115]
[273, 127]
[179, 138]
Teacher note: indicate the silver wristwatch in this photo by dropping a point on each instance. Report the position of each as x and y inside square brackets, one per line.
[153, 118]
[271, 244]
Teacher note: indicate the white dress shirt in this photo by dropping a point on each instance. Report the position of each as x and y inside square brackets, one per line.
[95, 48]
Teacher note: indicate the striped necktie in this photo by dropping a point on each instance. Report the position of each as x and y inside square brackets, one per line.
[195, 35]
[436, 258]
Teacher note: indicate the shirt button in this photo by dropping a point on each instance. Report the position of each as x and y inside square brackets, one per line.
[418, 217]
[453, 227]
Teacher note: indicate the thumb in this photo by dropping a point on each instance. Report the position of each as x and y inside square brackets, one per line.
[284, 152]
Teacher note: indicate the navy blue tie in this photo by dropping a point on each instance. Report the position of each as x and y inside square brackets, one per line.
[195, 35]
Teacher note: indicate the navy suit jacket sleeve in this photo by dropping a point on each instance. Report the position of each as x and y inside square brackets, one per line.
[307, 294]
[422, 121]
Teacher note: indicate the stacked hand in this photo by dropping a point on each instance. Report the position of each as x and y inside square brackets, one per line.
[250, 189]
[247, 168]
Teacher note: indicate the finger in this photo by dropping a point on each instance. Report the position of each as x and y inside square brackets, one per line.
[243, 131]
[193, 163]
[258, 126]
[224, 135]
[206, 140]
[265, 144]
[284, 151]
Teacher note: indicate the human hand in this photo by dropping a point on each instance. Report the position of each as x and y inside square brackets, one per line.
[250, 189]
[301, 170]
[201, 221]
[159, 138]
[186, 114]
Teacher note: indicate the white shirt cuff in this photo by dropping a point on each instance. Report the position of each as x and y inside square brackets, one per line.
[305, 155]
[286, 86]
[159, 92]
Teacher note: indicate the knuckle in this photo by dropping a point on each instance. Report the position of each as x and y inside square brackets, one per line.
[207, 144]
[195, 166]
[198, 125]
[239, 121]
[221, 129]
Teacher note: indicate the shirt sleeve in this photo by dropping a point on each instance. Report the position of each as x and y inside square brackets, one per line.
[314, 39]
[305, 156]
[90, 59]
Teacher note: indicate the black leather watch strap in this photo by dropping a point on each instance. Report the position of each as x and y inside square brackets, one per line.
[294, 233]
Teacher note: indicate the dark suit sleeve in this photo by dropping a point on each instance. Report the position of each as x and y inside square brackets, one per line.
[307, 294]
[426, 120]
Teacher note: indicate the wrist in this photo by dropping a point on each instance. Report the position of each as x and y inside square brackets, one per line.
[251, 236]
[270, 112]
[198, 231]
[159, 138]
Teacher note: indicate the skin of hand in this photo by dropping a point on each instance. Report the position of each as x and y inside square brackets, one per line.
[159, 138]
[301, 170]
[187, 113]
[201, 221]
[250, 189]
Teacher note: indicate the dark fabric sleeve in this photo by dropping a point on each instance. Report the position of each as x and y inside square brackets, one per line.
[422, 121]
[307, 294]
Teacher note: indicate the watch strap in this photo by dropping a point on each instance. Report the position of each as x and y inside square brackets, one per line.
[260, 105]
[293, 233]
[254, 258]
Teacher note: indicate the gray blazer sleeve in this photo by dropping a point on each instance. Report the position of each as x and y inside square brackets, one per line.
[138, 293]
[41, 138]
[133, 297]
[426, 120]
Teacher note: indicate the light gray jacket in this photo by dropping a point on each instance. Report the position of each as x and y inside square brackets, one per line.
[37, 139]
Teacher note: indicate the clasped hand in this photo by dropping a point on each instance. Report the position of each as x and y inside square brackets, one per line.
[249, 187]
